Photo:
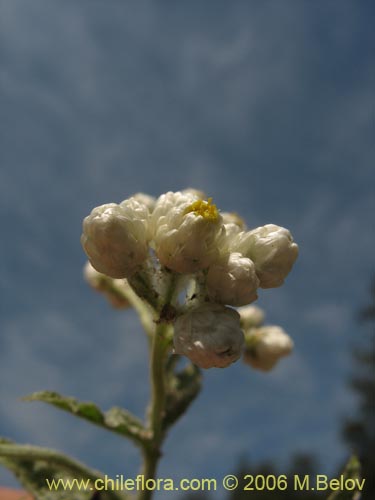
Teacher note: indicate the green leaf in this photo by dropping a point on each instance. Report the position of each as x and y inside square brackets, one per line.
[182, 388]
[86, 410]
[39, 470]
[352, 470]
[116, 419]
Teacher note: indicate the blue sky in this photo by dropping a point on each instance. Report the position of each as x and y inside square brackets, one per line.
[267, 106]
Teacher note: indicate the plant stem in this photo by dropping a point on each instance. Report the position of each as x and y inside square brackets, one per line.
[152, 452]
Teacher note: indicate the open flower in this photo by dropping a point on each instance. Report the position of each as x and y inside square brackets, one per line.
[233, 281]
[273, 251]
[210, 335]
[265, 346]
[185, 231]
[115, 237]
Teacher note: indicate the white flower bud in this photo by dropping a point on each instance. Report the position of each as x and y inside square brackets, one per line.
[251, 316]
[146, 199]
[273, 251]
[210, 335]
[115, 237]
[185, 232]
[233, 281]
[265, 346]
[113, 289]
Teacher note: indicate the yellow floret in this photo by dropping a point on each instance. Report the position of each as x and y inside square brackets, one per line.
[204, 208]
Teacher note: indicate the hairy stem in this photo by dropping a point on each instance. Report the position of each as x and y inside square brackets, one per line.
[152, 452]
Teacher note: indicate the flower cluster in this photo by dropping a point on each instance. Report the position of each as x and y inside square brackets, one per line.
[221, 264]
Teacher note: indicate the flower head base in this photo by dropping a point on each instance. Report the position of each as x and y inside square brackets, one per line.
[205, 209]
[265, 346]
[210, 335]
